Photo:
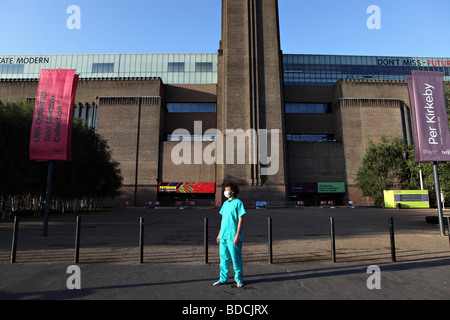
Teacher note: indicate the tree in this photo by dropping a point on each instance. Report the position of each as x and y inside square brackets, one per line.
[18, 174]
[390, 166]
[92, 172]
[385, 166]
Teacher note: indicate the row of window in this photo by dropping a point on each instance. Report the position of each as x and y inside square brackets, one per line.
[329, 74]
[289, 137]
[172, 67]
[310, 138]
[191, 137]
[313, 108]
[191, 107]
[109, 67]
[308, 108]
[350, 69]
[87, 114]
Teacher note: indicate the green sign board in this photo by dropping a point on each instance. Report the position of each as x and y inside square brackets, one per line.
[331, 187]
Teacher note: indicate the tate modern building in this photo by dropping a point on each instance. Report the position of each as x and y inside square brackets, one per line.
[283, 126]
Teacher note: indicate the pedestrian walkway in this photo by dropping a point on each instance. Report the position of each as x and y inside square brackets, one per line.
[174, 256]
[412, 280]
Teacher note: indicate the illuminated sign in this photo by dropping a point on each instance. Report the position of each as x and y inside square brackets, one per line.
[187, 187]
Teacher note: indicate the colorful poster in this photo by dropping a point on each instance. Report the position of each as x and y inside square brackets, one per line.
[51, 129]
[187, 187]
[429, 116]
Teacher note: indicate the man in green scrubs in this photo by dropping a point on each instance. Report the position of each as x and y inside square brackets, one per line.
[230, 236]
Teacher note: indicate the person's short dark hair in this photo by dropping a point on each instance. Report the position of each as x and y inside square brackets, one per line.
[233, 187]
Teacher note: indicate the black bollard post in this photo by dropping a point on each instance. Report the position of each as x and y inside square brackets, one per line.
[333, 241]
[14, 239]
[48, 196]
[205, 238]
[391, 231]
[448, 227]
[77, 240]
[141, 240]
[269, 232]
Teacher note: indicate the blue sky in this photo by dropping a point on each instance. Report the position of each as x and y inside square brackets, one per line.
[408, 28]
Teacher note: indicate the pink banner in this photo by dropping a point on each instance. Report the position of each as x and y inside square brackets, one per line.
[429, 116]
[51, 129]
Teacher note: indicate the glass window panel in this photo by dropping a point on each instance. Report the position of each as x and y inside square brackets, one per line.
[95, 117]
[310, 138]
[203, 67]
[89, 116]
[12, 68]
[191, 107]
[176, 67]
[102, 67]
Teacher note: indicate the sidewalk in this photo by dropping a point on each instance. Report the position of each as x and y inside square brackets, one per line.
[413, 280]
[174, 265]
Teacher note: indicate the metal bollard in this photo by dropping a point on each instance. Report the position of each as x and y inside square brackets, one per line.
[391, 231]
[333, 241]
[77, 240]
[14, 239]
[141, 240]
[269, 232]
[448, 227]
[205, 238]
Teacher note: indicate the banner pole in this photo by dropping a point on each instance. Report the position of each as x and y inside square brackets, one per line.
[438, 198]
[48, 196]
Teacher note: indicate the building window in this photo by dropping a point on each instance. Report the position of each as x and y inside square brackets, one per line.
[87, 114]
[11, 68]
[102, 67]
[191, 107]
[176, 67]
[203, 67]
[310, 138]
[318, 108]
[191, 137]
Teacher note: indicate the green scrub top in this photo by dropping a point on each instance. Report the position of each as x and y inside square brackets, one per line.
[231, 211]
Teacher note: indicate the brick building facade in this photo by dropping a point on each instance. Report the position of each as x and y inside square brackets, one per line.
[317, 112]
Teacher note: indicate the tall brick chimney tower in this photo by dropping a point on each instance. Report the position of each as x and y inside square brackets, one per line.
[250, 97]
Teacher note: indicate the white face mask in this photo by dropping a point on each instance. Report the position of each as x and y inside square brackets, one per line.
[227, 194]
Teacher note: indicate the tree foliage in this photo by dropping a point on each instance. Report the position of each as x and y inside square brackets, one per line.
[383, 167]
[92, 172]
[390, 165]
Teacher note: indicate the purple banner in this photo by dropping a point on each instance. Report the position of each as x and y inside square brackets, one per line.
[429, 116]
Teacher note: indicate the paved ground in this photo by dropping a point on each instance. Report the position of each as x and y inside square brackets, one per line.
[174, 267]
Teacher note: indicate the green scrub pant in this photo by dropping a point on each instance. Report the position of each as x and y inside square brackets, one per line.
[229, 251]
